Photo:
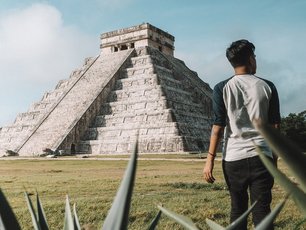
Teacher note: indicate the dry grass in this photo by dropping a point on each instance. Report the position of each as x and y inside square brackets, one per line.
[92, 185]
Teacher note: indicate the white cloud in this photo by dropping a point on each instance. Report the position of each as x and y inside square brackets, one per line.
[37, 50]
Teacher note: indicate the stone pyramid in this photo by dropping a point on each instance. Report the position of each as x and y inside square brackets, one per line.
[134, 88]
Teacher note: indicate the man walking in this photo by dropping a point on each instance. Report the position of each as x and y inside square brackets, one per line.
[238, 101]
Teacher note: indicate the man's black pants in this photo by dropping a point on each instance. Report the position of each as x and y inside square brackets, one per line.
[248, 174]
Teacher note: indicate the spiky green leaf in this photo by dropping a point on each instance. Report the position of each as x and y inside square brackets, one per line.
[2, 227]
[42, 220]
[267, 222]
[182, 220]
[7, 216]
[288, 151]
[213, 225]
[154, 222]
[236, 224]
[68, 222]
[32, 212]
[298, 196]
[76, 222]
[117, 218]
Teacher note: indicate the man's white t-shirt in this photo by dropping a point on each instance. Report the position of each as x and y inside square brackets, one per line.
[237, 101]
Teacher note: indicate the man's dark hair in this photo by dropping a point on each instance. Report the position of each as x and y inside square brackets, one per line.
[239, 52]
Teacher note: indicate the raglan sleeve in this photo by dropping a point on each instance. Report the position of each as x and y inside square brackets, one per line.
[274, 108]
[219, 110]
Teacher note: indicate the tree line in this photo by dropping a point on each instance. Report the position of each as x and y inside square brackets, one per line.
[294, 127]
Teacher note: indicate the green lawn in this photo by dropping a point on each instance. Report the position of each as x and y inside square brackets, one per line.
[92, 185]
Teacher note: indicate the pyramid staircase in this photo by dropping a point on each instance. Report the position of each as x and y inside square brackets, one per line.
[158, 99]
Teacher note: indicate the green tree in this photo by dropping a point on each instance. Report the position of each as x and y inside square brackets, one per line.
[294, 127]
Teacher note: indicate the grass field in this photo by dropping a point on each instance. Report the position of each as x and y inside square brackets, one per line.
[174, 181]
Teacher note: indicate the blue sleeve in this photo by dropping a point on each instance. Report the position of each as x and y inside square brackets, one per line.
[219, 110]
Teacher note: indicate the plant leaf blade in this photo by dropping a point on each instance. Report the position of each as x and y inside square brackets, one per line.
[76, 221]
[117, 218]
[243, 217]
[213, 225]
[154, 222]
[298, 196]
[32, 212]
[68, 222]
[42, 220]
[268, 220]
[182, 220]
[283, 147]
[8, 218]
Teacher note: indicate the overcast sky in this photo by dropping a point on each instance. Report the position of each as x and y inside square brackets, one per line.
[42, 42]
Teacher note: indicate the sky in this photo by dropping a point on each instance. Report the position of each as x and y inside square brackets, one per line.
[42, 42]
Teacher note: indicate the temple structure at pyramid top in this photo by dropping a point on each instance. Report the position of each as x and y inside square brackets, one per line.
[134, 89]
[137, 36]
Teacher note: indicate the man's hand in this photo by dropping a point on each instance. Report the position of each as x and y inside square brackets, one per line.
[208, 169]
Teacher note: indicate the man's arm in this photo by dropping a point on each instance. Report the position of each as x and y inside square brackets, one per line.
[216, 135]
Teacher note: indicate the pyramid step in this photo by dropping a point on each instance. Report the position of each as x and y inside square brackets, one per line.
[145, 145]
[12, 136]
[132, 117]
[53, 95]
[138, 70]
[142, 60]
[144, 70]
[29, 118]
[160, 70]
[137, 81]
[64, 84]
[149, 92]
[41, 106]
[169, 81]
[194, 130]
[148, 83]
[142, 105]
[133, 105]
[78, 72]
[181, 107]
[165, 79]
[150, 59]
[126, 130]
[12, 129]
[192, 118]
